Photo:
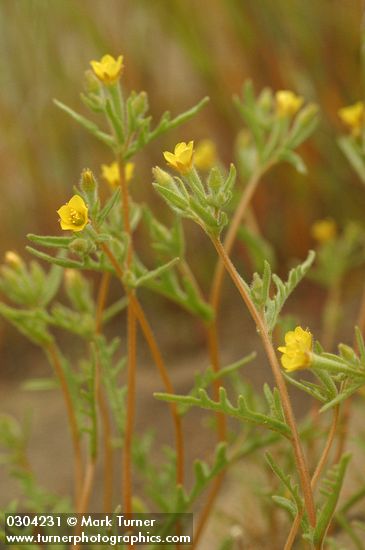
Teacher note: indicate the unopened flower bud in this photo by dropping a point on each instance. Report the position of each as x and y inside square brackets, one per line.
[13, 259]
[140, 104]
[215, 180]
[162, 178]
[347, 353]
[81, 247]
[88, 182]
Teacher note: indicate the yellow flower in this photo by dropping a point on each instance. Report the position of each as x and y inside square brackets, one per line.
[108, 69]
[182, 157]
[13, 259]
[288, 103]
[324, 230]
[111, 173]
[353, 116]
[73, 214]
[129, 171]
[297, 351]
[205, 155]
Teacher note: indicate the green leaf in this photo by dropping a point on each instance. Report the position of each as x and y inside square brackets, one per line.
[241, 412]
[332, 488]
[343, 395]
[209, 376]
[283, 290]
[115, 121]
[53, 242]
[294, 159]
[87, 124]
[62, 262]
[354, 155]
[155, 273]
[40, 384]
[172, 198]
[167, 124]
[304, 125]
[296, 505]
[103, 214]
[33, 323]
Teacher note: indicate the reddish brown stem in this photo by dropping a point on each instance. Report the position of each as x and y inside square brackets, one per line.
[108, 468]
[130, 414]
[319, 469]
[78, 463]
[212, 336]
[159, 362]
[157, 357]
[300, 460]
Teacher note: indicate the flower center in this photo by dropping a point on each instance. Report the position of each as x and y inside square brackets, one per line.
[76, 218]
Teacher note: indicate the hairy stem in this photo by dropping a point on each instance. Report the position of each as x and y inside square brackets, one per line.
[229, 240]
[300, 460]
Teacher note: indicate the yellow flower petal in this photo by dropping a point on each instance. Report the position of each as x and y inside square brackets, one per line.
[74, 214]
[288, 103]
[205, 155]
[182, 157]
[297, 352]
[108, 69]
[129, 171]
[353, 116]
[111, 174]
[324, 230]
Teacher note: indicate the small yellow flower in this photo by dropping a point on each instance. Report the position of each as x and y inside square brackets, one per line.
[129, 171]
[297, 351]
[13, 259]
[108, 69]
[111, 173]
[353, 116]
[287, 103]
[73, 214]
[205, 155]
[182, 157]
[324, 230]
